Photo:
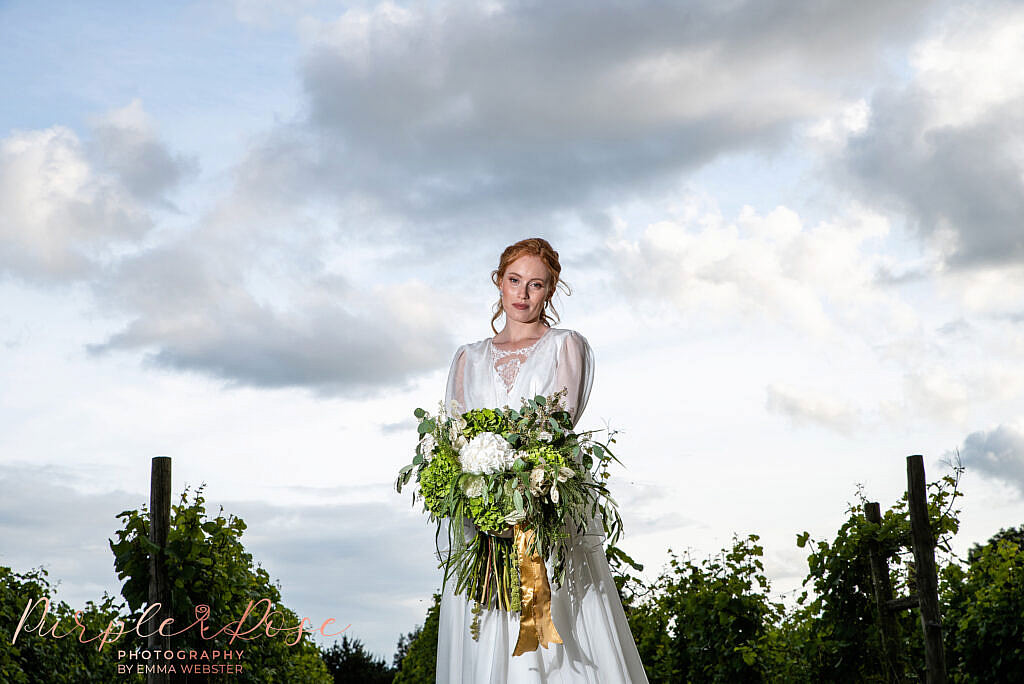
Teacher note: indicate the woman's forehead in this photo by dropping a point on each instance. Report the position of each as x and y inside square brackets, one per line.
[529, 266]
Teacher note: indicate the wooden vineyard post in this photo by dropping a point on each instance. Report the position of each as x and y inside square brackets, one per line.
[891, 650]
[159, 585]
[927, 583]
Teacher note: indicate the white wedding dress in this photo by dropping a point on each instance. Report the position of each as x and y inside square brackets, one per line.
[598, 647]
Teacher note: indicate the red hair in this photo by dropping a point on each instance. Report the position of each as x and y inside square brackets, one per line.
[538, 247]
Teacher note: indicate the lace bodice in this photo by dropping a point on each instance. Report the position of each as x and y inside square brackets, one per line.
[507, 362]
[483, 376]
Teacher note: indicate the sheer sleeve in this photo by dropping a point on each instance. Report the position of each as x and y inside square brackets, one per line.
[457, 380]
[575, 372]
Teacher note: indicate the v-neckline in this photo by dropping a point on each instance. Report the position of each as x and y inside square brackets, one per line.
[529, 350]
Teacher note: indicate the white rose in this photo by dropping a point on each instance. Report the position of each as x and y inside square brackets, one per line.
[537, 481]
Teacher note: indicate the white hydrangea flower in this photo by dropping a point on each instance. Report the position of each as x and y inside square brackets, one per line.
[474, 487]
[486, 453]
[426, 446]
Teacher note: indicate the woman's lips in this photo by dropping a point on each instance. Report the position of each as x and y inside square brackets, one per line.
[521, 307]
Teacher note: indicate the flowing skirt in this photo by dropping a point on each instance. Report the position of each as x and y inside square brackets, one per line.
[597, 648]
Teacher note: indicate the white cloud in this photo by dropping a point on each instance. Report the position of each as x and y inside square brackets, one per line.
[832, 131]
[60, 215]
[812, 407]
[821, 280]
[972, 65]
[71, 205]
[993, 290]
[937, 392]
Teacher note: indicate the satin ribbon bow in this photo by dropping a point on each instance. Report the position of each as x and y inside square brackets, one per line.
[535, 625]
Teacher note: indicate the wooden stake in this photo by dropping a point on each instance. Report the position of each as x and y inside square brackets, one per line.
[891, 651]
[927, 582]
[159, 584]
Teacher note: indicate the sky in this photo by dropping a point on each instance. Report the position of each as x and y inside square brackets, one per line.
[250, 235]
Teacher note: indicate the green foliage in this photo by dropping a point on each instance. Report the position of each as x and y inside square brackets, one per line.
[546, 454]
[984, 611]
[707, 621]
[836, 632]
[484, 420]
[33, 658]
[437, 478]
[714, 620]
[208, 566]
[350, 662]
[536, 473]
[416, 659]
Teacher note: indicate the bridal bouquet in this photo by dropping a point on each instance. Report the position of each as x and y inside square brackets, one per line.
[524, 479]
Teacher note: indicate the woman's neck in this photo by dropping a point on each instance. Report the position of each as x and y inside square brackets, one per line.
[515, 332]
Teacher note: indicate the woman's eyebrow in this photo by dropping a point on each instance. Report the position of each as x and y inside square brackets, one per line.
[519, 276]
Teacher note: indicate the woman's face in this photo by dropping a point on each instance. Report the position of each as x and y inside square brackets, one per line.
[524, 289]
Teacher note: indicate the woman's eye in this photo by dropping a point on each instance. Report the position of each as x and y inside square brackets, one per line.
[537, 286]
[513, 280]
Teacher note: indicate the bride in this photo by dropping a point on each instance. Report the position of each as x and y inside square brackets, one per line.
[526, 358]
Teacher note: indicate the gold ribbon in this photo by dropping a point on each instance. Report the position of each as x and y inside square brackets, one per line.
[535, 625]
